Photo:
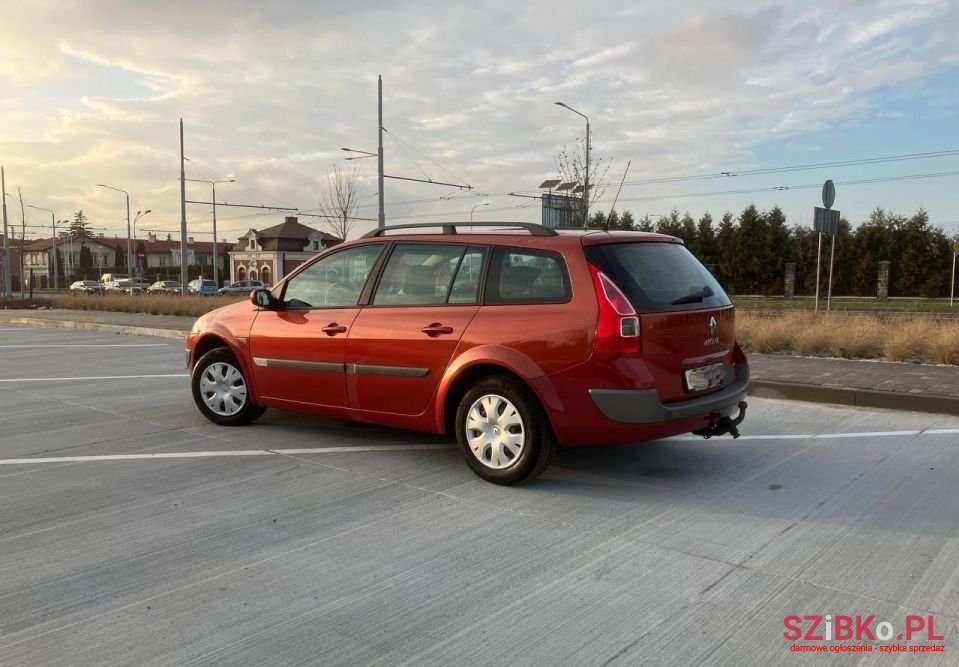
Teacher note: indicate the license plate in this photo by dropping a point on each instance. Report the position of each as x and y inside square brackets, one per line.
[706, 377]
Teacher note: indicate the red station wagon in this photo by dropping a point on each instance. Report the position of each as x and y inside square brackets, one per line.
[517, 340]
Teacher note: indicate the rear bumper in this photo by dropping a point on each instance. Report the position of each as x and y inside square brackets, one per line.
[642, 406]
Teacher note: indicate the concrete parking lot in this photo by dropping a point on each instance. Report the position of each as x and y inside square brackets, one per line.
[132, 531]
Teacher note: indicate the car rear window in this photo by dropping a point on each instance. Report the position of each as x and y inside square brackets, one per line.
[655, 276]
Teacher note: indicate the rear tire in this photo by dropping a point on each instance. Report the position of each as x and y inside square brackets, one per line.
[220, 390]
[503, 432]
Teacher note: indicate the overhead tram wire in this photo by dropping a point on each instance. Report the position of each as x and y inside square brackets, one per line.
[425, 156]
[787, 169]
[676, 179]
[777, 188]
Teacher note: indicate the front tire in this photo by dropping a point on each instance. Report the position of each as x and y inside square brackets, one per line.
[220, 390]
[502, 431]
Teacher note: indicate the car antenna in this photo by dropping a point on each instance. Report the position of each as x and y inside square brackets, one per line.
[606, 226]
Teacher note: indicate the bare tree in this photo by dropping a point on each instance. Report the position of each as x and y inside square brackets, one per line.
[338, 203]
[571, 167]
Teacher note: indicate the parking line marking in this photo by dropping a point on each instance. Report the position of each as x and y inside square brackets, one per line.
[90, 345]
[224, 453]
[96, 377]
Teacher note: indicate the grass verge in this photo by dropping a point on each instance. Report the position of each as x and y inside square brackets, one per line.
[192, 305]
[922, 339]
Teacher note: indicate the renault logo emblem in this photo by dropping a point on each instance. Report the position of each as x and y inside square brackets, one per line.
[712, 327]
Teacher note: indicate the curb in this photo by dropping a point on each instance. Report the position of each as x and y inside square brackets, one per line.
[862, 398]
[96, 326]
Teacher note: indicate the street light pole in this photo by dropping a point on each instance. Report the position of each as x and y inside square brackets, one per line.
[476, 207]
[381, 216]
[213, 184]
[53, 239]
[140, 215]
[586, 183]
[129, 238]
[7, 280]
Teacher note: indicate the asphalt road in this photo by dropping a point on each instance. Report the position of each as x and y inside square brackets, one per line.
[269, 544]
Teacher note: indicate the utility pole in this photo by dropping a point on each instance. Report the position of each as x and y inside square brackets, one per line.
[184, 274]
[7, 282]
[381, 217]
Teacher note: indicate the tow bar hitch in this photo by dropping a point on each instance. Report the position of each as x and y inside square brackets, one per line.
[725, 425]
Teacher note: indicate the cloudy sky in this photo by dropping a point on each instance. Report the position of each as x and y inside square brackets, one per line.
[92, 91]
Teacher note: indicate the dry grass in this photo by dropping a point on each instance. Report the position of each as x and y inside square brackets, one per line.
[943, 344]
[851, 336]
[854, 337]
[153, 304]
[908, 340]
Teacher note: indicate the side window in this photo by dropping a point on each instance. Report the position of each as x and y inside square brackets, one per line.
[335, 281]
[418, 274]
[467, 281]
[523, 275]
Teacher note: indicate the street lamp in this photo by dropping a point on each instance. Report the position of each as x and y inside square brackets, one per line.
[213, 183]
[485, 203]
[53, 232]
[586, 184]
[129, 239]
[139, 215]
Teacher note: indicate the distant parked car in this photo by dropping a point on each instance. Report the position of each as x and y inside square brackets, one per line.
[130, 286]
[85, 287]
[242, 287]
[204, 287]
[164, 287]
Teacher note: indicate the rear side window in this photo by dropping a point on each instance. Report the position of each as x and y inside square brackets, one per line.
[658, 277]
[524, 275]
[418, 274]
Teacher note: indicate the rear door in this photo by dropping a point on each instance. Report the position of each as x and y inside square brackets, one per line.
[299, 348]
[687, 322]
[400, 344]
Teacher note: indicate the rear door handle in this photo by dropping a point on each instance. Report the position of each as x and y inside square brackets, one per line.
[436, 329]
[333, 329]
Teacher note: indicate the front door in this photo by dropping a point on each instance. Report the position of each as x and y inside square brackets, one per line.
[400, 344]
[299, 347]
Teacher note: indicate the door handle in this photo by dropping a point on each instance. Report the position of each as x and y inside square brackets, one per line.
[333, 329]
[436, 329]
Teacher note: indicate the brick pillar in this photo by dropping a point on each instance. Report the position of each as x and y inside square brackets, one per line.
[789, 288]
[882, 285]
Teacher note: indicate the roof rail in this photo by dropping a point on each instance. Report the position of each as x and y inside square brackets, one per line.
[450, 227]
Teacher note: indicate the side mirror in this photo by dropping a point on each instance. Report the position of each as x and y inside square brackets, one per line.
[262, 298]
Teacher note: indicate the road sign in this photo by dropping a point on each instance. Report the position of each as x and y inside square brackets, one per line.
[825, 221]
[828, 194]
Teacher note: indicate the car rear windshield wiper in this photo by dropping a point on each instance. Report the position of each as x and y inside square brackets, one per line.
[694, 297]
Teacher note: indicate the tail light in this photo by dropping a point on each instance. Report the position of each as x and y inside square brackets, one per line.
[617, 329]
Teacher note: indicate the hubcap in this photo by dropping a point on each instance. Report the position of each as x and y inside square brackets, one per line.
[223, 389]
[495, 431]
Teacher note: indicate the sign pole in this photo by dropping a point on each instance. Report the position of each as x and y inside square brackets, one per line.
[818, 258]
[828, 199]
[952, 286]
[832, 254]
